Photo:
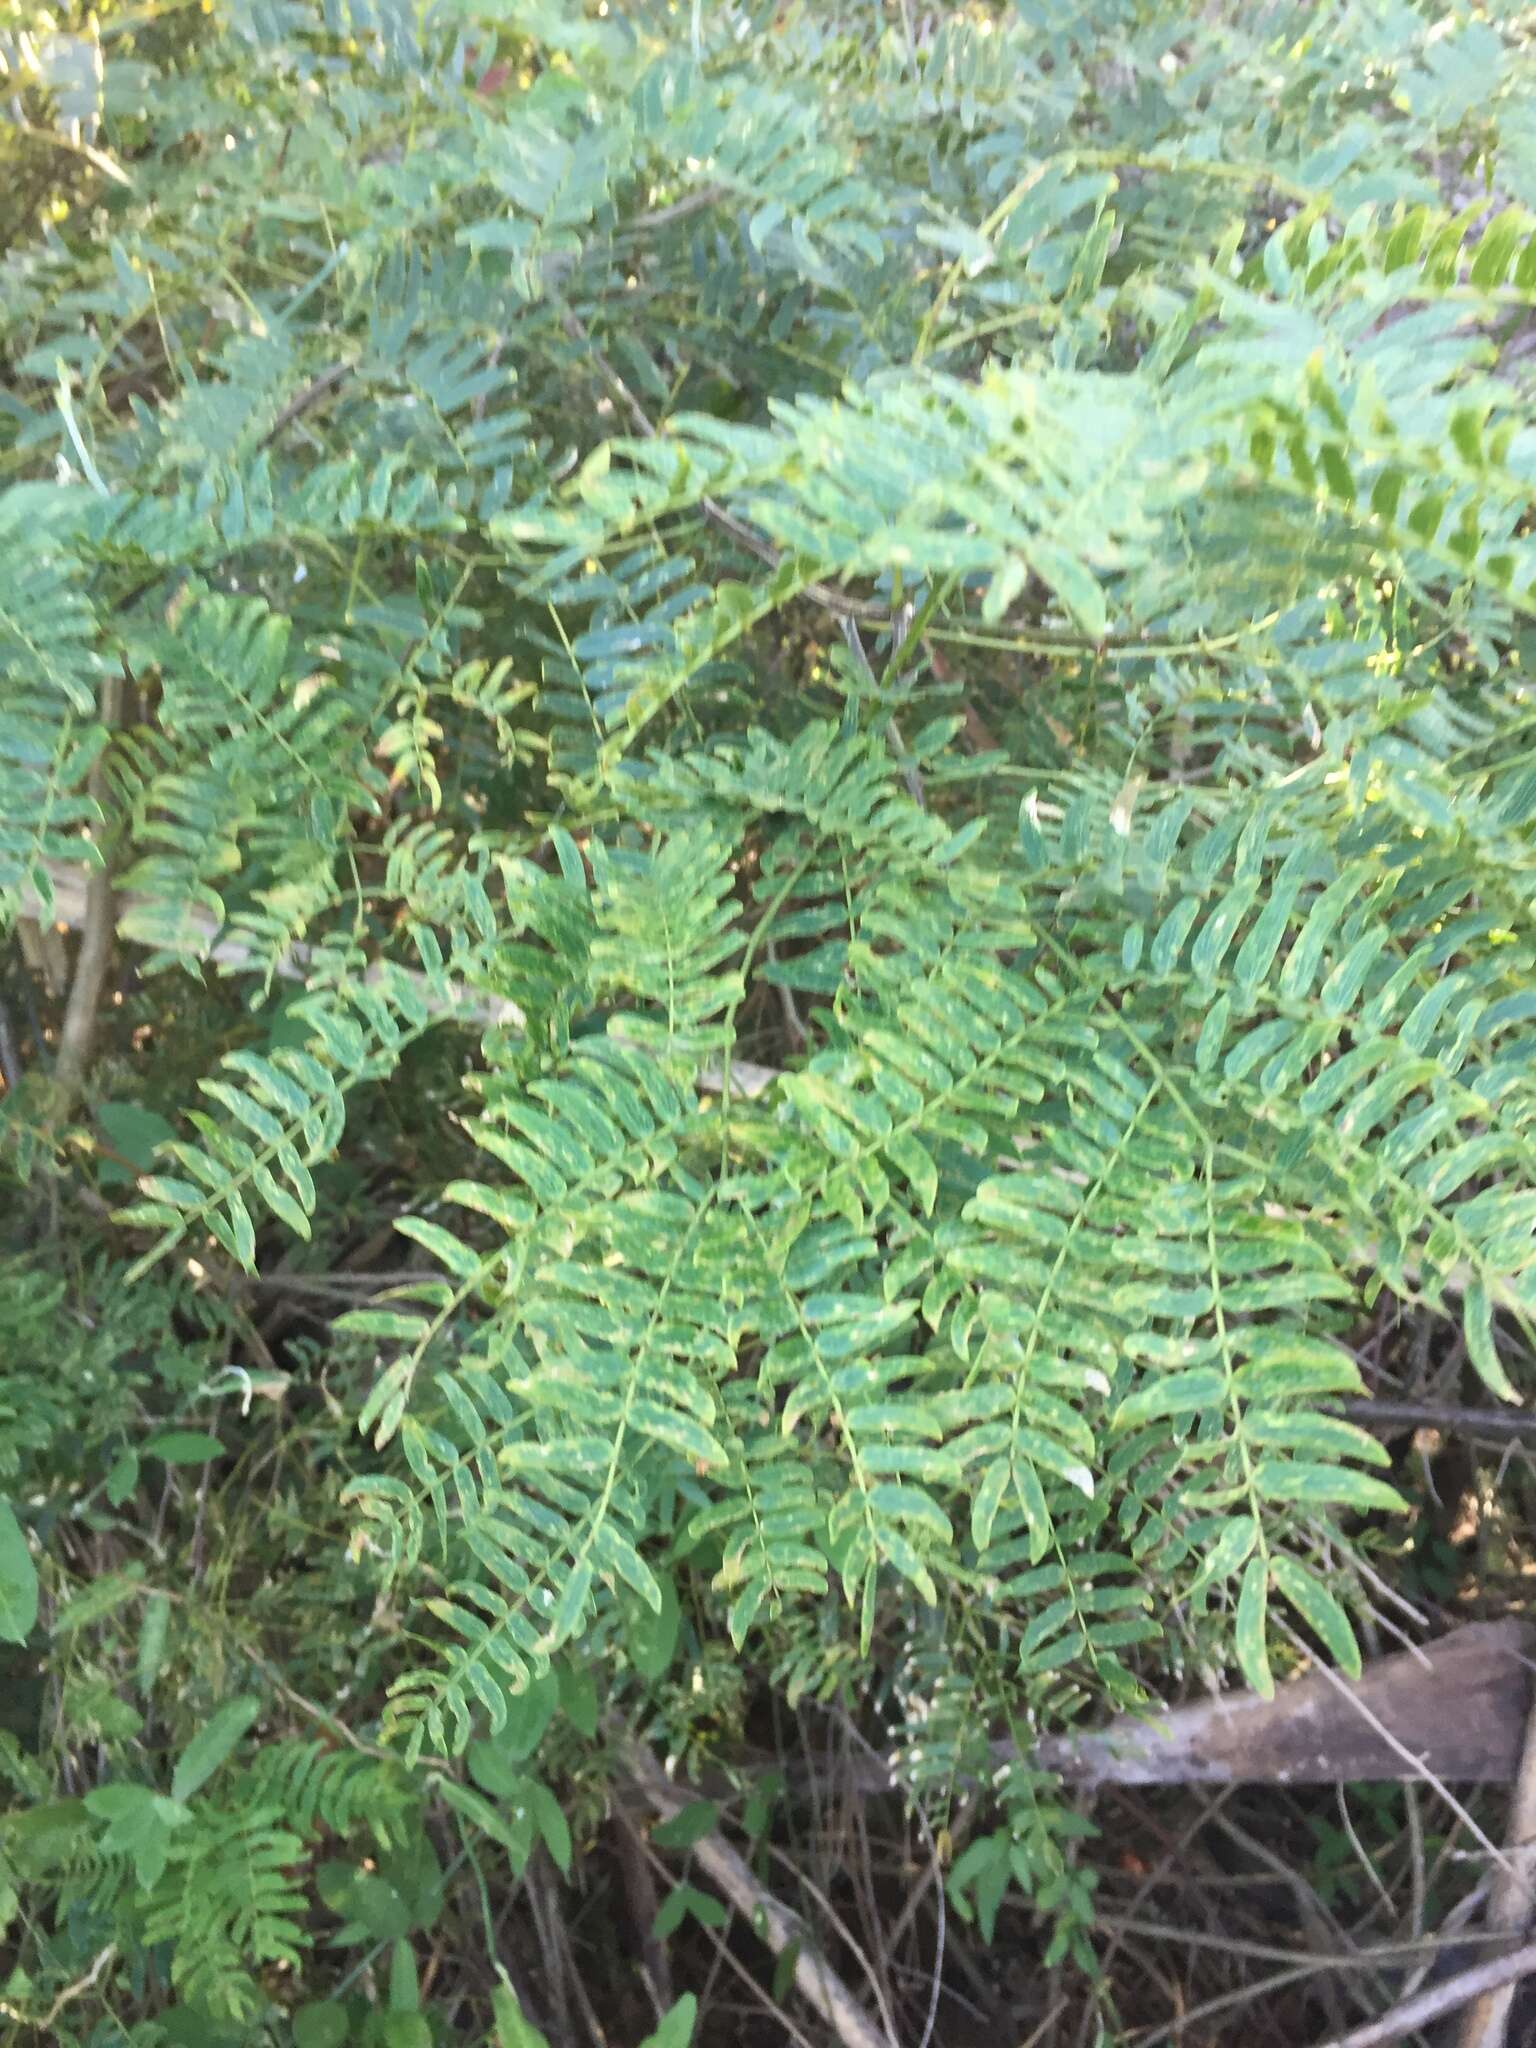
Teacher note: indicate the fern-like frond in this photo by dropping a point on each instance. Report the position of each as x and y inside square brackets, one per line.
[282, 1114]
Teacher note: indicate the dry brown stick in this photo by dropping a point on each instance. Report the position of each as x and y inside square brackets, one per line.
[640, 1892]
[1451, 1712]
[96, 158]
[723, 1957]
[1511, 1900]
[1377, 1954]
[552, 1955]
[835, 1920]
[1441, 1999]
[1461, 1914]
[77, 1033]
[1443, 1415]
[309, 397]
[663, 216]
[934, 1874]
[1455, 1710]
[769, 1919]
[66, 1997]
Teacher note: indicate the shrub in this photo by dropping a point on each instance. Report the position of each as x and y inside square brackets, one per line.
[839, 705]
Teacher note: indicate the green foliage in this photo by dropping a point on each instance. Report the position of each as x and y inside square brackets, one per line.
[878, 689]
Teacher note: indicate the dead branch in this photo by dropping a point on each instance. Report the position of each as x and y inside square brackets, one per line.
[10, 1058]
[770, 1920]
[1511, 1900]
[1384, 1415]
[1454, 1711]
[305, 401]
[77, 1034]
[1441, 1999]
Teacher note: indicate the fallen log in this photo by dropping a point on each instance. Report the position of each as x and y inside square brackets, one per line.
[1452, 1713]
[1459, 1707]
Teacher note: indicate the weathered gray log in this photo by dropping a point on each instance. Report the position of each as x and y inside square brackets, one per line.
[1459, 1707]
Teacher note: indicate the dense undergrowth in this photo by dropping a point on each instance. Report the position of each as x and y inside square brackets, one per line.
[766, 816]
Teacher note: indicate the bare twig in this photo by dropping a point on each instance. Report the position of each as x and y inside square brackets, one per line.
[935, 1875]
[1452, 1712]
[793, 1022]
[10, 1058]
[324, 1719]
[723, 1957]
[552, 1952]
[640, 1891]
[909, 773]
[304, 401]
[1511, 1900]
[1418, 1763]
[1442, 1415]
[66, 1997]
[1441, 1999]
[77, 1034]
[1377, 1953]
[835, 1919]
[1321, 1924]
[680, 209]
[772, 1921]
[96, 158]
[1464, 1910]
[1455, 1710]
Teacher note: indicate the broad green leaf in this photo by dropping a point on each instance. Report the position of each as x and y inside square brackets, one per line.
[212, 1744]
[153, 1628]
[1231, 1548]
[677, 2024]
[528, 1714]
[1319, 1610]
[140, 1824]
[404, 1988]
[1313, 1485]
[135, 1133]
[1284, 1367]
[578, 1697]
[463, 1263]
[183, 1447]
[1181, 1393]
[18, 1580]
[652, 1636]
[687, 1826]
[122, 1478]
[405, 2030]
[512, 2030]
[1252, 1619]
[365, 1898]
[1477, 1322]
[683, 1903]
[321, 2024]
[552, 1825]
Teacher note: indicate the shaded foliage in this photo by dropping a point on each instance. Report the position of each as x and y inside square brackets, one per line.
[837, 720]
